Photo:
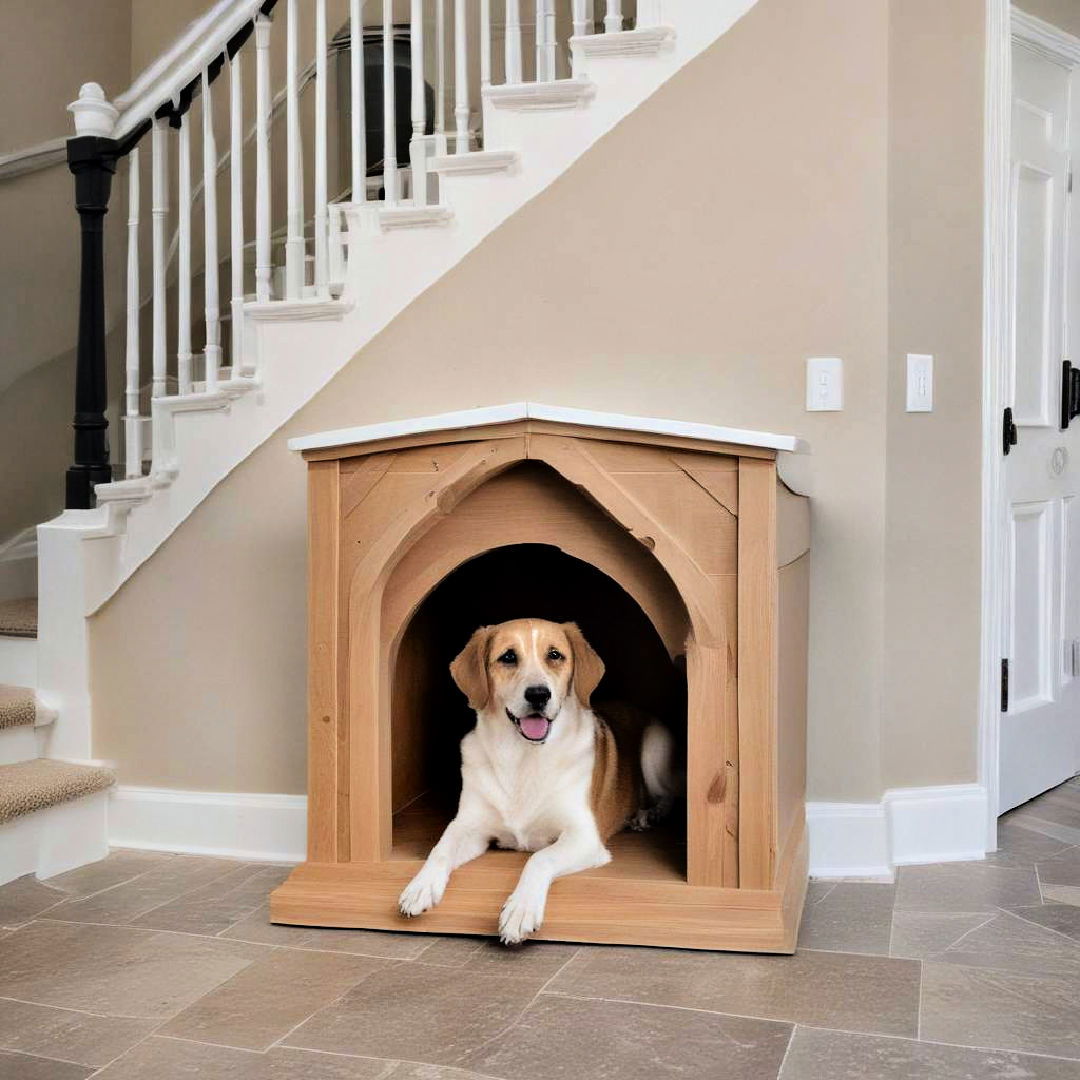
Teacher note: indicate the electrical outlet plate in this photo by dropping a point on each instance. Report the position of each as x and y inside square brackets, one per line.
[824, 384]
[920, 382]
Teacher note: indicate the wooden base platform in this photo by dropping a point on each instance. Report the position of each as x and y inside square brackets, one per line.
[640, 898]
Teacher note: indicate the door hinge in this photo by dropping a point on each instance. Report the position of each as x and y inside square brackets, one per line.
[1004, 685]
[1008, 430]
[1070, 393]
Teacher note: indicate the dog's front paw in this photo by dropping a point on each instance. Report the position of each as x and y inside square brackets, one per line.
[521, 915]
[423, 892]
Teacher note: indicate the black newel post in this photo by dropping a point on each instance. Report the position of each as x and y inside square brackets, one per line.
[92, 159]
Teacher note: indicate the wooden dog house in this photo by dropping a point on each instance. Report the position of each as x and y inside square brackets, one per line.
[684, 559]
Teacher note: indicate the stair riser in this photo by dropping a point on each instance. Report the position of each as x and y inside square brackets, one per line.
[22, 743]
[18, 661]
[56, 839]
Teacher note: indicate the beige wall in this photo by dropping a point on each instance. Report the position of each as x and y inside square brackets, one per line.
[702, 305]
[1063, 13]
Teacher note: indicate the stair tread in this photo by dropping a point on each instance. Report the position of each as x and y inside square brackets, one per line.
[34, 785]
[19, 618]
[18, 706]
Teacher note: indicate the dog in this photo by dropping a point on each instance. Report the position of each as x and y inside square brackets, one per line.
[541, 772]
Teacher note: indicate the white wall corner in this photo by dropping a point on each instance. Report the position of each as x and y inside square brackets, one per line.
[908, 826]
[258, 827]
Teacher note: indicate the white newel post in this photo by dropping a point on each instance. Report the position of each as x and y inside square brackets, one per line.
[236, 213]
[132, 419]
[262, 159]
[322, 255]
[212, 353]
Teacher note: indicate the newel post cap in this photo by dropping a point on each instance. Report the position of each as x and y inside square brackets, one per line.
[94, 114]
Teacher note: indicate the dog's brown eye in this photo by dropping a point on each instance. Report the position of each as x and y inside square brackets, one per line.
[508, 657]
[554, 654]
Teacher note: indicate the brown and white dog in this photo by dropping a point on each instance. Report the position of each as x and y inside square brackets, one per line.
[541, 772]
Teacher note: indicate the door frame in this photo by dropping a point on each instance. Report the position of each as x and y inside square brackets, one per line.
[1004, 23]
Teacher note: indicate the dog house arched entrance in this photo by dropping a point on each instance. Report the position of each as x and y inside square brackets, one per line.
[692, 531]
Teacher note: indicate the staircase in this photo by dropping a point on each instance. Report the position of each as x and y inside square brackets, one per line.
[309, 279]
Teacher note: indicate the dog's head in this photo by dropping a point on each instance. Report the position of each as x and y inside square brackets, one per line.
[526, 669]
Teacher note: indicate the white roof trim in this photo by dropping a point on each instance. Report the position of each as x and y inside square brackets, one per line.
[523, 410]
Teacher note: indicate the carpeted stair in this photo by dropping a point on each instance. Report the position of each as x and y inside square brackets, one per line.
[18, 618]
[19, 707]
[35, 785]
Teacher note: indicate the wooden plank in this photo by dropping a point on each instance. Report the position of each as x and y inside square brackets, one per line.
[324, 712]
[757, 673]
[792, 525]
[793, 605]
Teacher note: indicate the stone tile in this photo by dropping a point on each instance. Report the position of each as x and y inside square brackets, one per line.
[116, 868]
[265, 1001]
[1061, 894]
[966, 887]
[66, 1035]
[1019, 847]
[125, 902]
[920, 935]
[418, 1012]
[1000, 1010]
[850, 918]
[24, 898]
[1008, 943]
[175, 1059]
[1061, 869]
[24, 1067]
[452, 951]
[533, 959]
[818, 890]
[816, 1055]
[1035, 822]
[217, 906]
[597, 1040]
[409, 1070]
[257, 927]
[116, 970]
[1064, 918]
[874, 994]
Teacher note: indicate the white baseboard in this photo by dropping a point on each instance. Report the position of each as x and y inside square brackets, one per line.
[262, 828]
[58, 838]
[908, 826]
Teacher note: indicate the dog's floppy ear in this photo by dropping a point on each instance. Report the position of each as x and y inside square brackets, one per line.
[469, 669]
[588, 667]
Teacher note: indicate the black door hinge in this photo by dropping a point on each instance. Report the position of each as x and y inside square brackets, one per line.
[1070, 393]
[1004, 685]
[1008, 431]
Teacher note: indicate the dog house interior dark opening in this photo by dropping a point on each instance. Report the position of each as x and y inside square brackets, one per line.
[430, 715]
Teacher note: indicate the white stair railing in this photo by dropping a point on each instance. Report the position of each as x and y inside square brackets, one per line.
[446, 61]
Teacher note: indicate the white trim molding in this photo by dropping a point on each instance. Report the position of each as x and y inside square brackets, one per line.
[258, 827]
[908, 826]
[33, 158]
[1051, 40]
[54, 839]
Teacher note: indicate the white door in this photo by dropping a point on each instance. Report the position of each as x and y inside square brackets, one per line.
[1040, 728]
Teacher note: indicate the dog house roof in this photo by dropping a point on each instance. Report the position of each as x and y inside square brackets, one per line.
[531, 410]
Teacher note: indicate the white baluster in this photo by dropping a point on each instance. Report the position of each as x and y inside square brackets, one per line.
[294, 239]
[358, 111]
[440, 76]
[418, 147]
[159, 183]
[236, 212]
[322, 256]
[132, 419]
[512, 45]
[183, 256]
[337, 248]
[390, 170]
[263, 269]
[582, 21]
[461, 78]
[485, 43]
[212, 352]
[613, 20]
[545, 40]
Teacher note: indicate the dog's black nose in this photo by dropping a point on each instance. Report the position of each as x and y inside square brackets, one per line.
[537, 696]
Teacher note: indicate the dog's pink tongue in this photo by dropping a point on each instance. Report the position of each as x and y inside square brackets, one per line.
[534, 727]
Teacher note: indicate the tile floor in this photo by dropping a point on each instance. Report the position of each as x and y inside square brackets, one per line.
[164, 967]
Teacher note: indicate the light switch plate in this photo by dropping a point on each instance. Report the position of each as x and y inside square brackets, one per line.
[920, 382]
[824, 384]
